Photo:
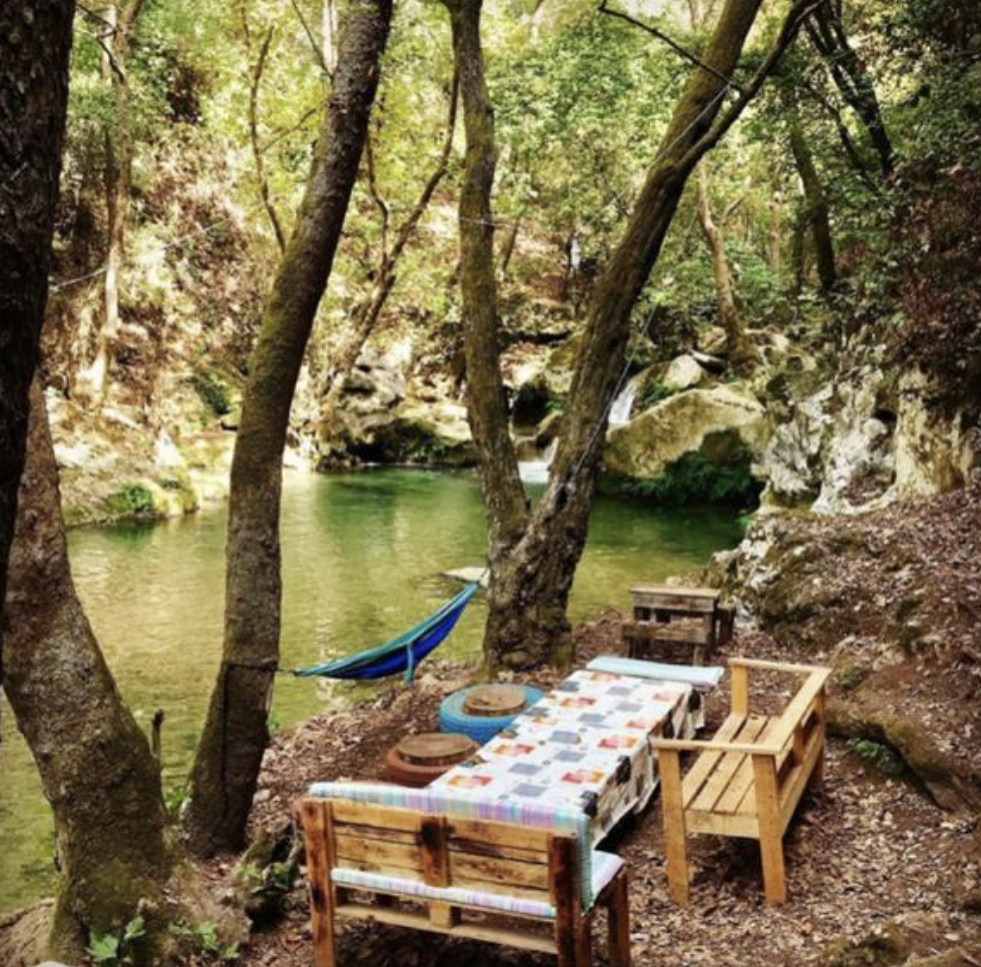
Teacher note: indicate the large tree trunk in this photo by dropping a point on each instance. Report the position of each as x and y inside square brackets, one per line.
[742, 354]
[504, 496]
[817, 215]
[235, 734]
[118, 177]
[827, 31]
[35, 43]
[533, 560]
[96, 767]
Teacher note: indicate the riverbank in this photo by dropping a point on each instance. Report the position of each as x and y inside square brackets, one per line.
[884, 866]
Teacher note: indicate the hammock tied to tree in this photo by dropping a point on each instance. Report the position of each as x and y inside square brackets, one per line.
[401, 654]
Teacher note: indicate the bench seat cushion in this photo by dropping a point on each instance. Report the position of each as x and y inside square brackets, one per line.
[698, 677]
[605, 867]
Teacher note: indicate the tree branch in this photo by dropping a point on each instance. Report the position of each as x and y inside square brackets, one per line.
[318, 53]
[796, 16]
[664, 38]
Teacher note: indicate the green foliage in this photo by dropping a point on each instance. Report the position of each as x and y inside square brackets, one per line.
[654, 393]
[882, 758]
[213, 391]
[695, 478]
[116, 949]
[204, 937]
[132, 500]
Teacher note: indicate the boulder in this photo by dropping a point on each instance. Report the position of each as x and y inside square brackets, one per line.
[715, 422]
[683, 372]
[713, 341]
[414, 433]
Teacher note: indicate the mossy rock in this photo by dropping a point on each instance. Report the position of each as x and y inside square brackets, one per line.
[883, 948]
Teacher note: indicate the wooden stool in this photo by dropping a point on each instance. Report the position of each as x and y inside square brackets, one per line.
[419, 759]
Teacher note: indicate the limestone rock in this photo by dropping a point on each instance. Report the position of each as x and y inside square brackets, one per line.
[715, 422]
[683, 372]
[713, 341]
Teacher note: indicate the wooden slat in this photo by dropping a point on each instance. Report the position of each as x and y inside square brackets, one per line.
[618, 923]
[743, 827]
[381, 817]
[776, 666]
[499, 834]
[522, 939]
[800, 705]
[738, 792]
[704, 764]
[359, 831]
[771, 828]
[378, 855]
[675, 825]
[316, 816]
[727, 766]
[702, 600]
[690, 632]
[792, 788]
[494, 851]
[740, 690]
[469, 869]
[563, 865]
[435, 858]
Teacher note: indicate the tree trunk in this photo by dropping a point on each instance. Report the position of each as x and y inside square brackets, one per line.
[96, 765]
[827, 32]
[118, 176]
[260, 167]
[742, 354]
[533, 560]
[507, 248]
[235, 734]
[817, 215]
[35, 43]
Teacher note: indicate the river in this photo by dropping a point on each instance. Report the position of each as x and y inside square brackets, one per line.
[362, 554]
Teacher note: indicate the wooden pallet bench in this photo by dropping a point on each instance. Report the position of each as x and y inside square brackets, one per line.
[747, 780]
[498, 882]
[676, 624]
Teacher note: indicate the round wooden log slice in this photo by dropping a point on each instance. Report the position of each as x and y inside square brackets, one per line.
[495, 701]
[436, 749]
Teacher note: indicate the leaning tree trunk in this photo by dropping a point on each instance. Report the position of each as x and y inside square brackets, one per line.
[35, 43]
[532, 564]
[850, 75]
[96, 767]
[228, 758]
[742, 354]
[817, 215]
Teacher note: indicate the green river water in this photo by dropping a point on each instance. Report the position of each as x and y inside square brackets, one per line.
[362, 554]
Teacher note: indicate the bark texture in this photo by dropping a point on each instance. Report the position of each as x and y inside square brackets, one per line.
[742, 354]
[817, 215]
[533, 557]
[35, 42]
[230, 753]
[96, 766]
[504, 496]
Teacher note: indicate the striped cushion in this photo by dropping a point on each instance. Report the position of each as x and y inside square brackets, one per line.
[471, 806]
[605, 867]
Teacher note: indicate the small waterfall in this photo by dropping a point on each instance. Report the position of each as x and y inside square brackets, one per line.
[624, 403]
[536, 471]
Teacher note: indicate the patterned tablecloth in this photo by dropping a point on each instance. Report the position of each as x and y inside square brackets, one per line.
[585, 745]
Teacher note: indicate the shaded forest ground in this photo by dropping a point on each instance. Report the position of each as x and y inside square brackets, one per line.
[884, 866]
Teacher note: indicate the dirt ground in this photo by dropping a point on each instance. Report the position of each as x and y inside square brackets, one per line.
[869, 856]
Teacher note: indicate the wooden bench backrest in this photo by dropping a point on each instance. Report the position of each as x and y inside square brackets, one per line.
[445, 851]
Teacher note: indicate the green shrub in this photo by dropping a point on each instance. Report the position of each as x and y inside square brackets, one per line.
[131, 500]
[213, 391]
[883, 758]
[694, 478]
[653, 393]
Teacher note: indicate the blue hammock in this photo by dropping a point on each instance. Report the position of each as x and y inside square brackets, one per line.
[401, 654]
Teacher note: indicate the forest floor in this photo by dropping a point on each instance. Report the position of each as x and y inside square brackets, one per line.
[879, 872]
